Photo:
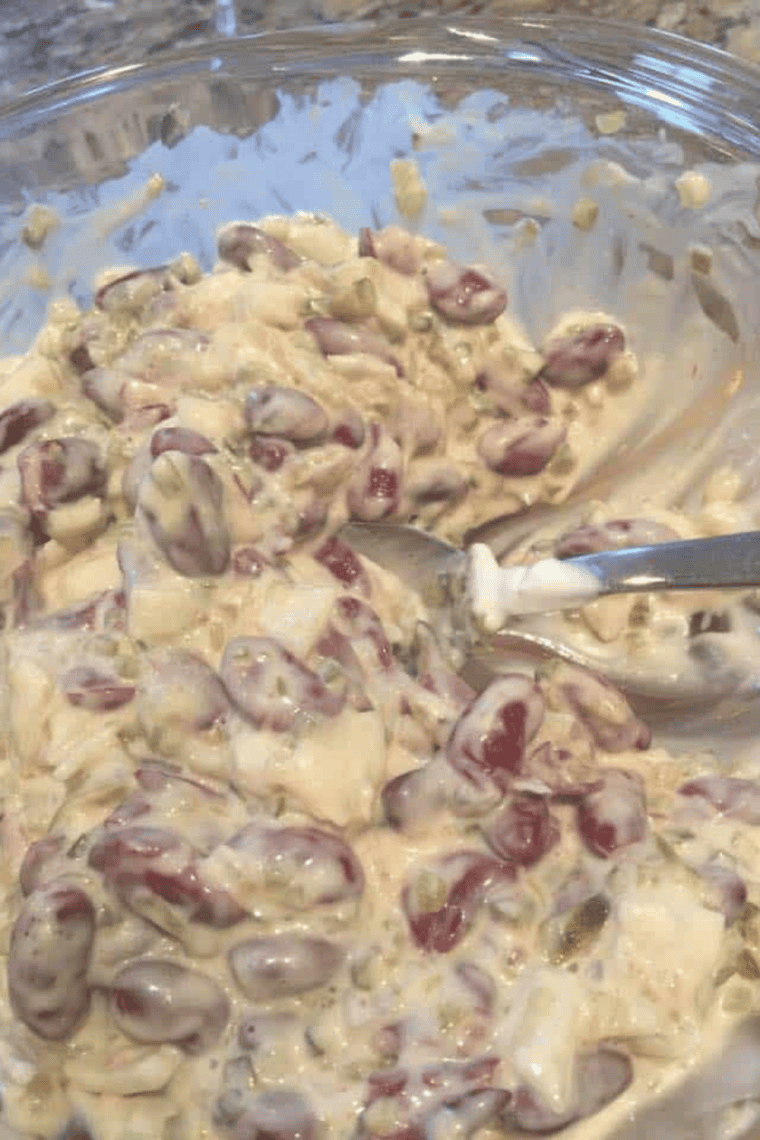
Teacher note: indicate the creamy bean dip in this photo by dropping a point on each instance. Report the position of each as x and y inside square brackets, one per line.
[271, 870]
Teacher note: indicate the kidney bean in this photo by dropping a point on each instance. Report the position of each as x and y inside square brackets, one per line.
[21, 418]
[357, 621]
[463, 294]
[511, 396]
[38, 856]
[145, 863]
[159, 1002]
[409, 798]
[601, 1075]
[337, 338]
[727, 890]
[91, 689]
[440, 909]
[56, 471]
[285, 412]
[344, 564]
[521, 447]
[105, 387]
[105, 613]
[617, 534]
[435, 481]
[276, 1114]
[271, 687]
[247, 561]
[579, 358]
[480, 986]
[322, 865]
[523, 831]
[613, 815]
[349, 429]
[474, 1110]
[181, 499]
[178, 688]
[134, 291]
[180, 439]
[283, 965]
[335, 648]
[393, 246]
[270, 452]
[375, 488]
[238, 243]
[491, 735]
[733, 797]
[601, 708]
[50, 948]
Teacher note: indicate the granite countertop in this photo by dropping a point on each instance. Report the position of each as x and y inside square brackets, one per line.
[55, 38]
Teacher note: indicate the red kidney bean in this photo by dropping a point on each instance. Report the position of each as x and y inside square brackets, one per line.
[91, 689]
[50, 948]
[21, 418]
[727, 890]
[179, 688]
[271, 687]
[521, 447]
[476, 1109]
[56, 471]
[344, 564]
[510, 396]
[393, 246]
[523, 831]
[322, 864]
[409, 798]
[38, 856]
[180, 439]
[247, 561]
[337, 338]
[357, 621]
[155, 777]
[463, 294]
[614, 814]
[349, 429]
[471, 878]
[601, 1075]
[435, 481]
[375, 488]
[569, 772]
[105, 387]
[140, 862]
[283, 965]
[285, 412]
[269, 452]
[105, 613]
[490, 737]
[237, 244]
[480, 985]
[733, 797]
[582, 357]
[181, 499]
[80, 357]
[613, 535]
[159, 1002]
[133, 291]
[601, 708]
[276, 1114]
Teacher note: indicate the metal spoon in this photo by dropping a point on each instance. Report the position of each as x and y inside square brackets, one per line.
[430, 565]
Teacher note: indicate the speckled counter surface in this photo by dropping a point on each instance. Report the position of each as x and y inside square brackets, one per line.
[50, 39]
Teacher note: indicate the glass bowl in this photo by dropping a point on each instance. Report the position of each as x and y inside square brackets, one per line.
[515, 127]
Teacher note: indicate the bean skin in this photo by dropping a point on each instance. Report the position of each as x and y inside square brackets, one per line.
[464, 295]
[271, 687]
[283, 965]
[613, 815]
[521, 447]
[181, 500]
[22, 417]
[159, 1002]
[337, 338]
[94, 690]
[582, 357]
[50, 948]
[489, 738]
[59, 470]
[285, 412]
[601, 708]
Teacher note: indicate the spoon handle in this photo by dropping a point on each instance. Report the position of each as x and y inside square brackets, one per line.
[728, 560]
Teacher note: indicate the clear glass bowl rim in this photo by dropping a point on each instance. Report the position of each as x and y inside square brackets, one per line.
[719, 93]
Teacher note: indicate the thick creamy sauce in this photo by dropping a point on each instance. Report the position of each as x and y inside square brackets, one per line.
[271, 871]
